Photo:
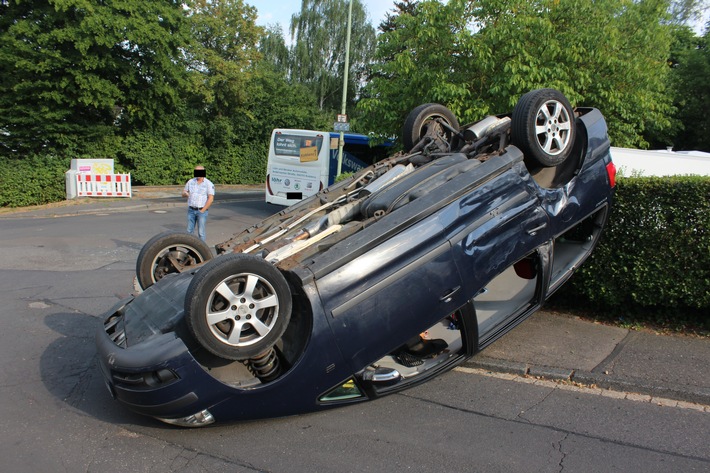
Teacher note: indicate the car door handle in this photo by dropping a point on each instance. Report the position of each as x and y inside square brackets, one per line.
[533, 231]
[449, 295]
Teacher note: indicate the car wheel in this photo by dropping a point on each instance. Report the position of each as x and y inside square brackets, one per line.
[169, 252]
[238, 306]
[543, 126]
[425, 121]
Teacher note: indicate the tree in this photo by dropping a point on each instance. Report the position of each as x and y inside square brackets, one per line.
[273, 49]
[224, 51]
[405, 7]
[71, 69]
[277, 103]
[318, 54]
[691, 80]
[414, 63]
[479, 57]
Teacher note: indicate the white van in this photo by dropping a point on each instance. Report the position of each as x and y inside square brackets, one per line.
[303, 162]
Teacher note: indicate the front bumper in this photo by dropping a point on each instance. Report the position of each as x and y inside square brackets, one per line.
[158, 377]
[145, 364]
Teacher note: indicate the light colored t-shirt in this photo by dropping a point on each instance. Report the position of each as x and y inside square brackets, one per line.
[198, 192]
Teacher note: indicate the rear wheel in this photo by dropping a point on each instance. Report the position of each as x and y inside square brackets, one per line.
[429, 120]
[543, 126]
[169, 252]
[238, 306]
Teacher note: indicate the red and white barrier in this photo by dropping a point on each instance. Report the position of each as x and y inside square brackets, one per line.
[103, 185]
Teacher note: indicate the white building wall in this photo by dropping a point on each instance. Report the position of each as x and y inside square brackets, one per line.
[637, 162]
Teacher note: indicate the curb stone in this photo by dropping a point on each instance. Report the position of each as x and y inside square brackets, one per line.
[694, 394]
[691, 394]
[138, 204]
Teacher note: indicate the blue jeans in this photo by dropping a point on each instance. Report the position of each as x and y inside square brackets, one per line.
[195, 216]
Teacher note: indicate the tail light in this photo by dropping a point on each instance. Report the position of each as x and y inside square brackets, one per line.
[611, 171]
[268, 185]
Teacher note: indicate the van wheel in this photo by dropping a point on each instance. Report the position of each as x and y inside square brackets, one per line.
[543, 127]
[169, 252]
[238, 306]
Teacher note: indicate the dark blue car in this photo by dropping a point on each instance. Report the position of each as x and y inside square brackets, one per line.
[377, 283]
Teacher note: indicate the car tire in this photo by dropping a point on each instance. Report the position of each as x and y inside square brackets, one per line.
[238, 306]
[417, 124]
[543, 127]
[159, 256]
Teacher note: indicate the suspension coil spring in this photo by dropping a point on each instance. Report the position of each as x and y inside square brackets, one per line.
[266, 367]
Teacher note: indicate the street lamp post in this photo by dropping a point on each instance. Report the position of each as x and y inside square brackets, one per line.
[341, 143]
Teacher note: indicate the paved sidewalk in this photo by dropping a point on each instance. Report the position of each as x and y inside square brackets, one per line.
[547, 345]
[565, 347]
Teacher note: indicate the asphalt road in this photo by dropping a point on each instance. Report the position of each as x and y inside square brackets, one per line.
[57, 275]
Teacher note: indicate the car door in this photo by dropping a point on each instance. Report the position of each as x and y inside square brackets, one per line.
[383, 298]
[501, 226]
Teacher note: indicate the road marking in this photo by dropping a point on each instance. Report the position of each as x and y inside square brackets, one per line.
[580, 388]
[38, 305]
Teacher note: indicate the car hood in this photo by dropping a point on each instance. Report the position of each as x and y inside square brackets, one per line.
[157, 310]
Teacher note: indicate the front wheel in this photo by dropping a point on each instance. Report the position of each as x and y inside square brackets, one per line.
[238, 306]
[543, 126]
[169, 252]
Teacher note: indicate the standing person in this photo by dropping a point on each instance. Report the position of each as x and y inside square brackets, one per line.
[200, 193]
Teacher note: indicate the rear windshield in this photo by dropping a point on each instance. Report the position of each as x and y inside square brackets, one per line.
[291, 145]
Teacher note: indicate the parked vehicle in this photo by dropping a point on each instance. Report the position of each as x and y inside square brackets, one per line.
[304, 162]
[377, 283]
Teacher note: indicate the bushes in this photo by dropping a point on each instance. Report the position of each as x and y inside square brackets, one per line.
[35, 179]
[655, 253]
[160, 160]
[151, 158]
[239, 164]
[231, 143]
[157, 157]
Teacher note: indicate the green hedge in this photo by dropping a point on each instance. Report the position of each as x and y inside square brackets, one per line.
[655, 253]
[33, 180]
[155, 160]
[151, 160]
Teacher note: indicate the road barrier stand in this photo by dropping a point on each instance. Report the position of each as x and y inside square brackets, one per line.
[101, 185]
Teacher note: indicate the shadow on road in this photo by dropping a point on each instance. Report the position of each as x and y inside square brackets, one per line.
[69, 370]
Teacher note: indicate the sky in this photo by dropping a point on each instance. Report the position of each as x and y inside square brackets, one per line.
[280, 11]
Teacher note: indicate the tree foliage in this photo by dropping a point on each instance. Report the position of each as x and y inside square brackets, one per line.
[70, 69]
[158, 86]
[318, 54]
[691, 82]
[273, 49]
[478, 57]
[407, 7]
[224, 52]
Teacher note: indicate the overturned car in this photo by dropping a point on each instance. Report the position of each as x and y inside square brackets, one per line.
[379, 282]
